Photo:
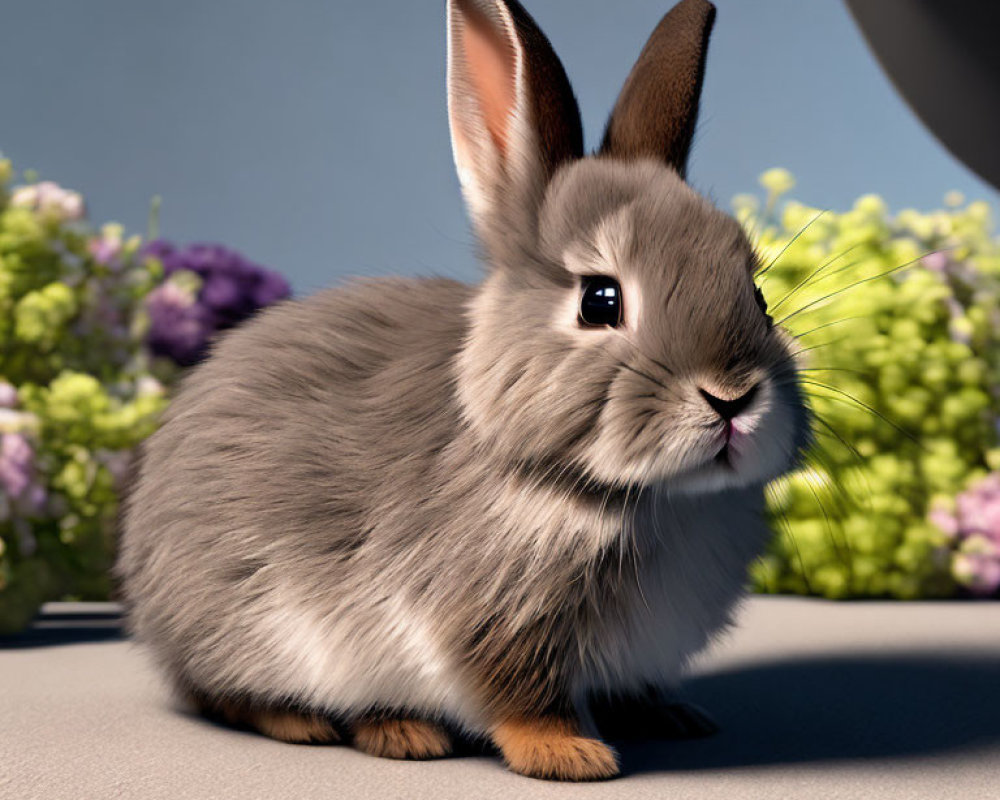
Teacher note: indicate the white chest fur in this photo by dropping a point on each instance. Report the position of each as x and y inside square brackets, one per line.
[693, 573]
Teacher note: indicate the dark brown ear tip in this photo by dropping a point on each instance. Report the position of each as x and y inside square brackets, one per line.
[656, 112]
[696, 13]
[703, 7]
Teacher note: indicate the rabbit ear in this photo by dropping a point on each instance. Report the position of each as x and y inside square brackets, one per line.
[512, 112]
[657, 109]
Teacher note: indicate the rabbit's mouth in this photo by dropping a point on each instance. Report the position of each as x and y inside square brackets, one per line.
[748, 449]
[723, 458]
[736, 435]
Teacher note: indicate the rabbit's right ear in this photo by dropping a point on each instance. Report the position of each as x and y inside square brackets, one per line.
[657, 109]
[513, 117]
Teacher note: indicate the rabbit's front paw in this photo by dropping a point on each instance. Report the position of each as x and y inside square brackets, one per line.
[401, 738]
[552, 748]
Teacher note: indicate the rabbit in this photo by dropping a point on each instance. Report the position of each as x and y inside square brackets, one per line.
[403, 513]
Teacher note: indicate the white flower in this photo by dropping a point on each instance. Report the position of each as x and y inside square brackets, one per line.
[47, 197]
[148, 386]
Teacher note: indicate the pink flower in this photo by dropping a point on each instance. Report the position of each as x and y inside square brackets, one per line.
[104, 251]
[16, 460]
[8, 395]
[979, 573]
[107, 247]
[935, 261]
[946, 521]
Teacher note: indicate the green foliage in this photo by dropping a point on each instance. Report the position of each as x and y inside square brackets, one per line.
[898, 322]
[76, 393]
[897, 318]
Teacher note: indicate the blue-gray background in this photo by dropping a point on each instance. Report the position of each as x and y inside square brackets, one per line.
[312, 134]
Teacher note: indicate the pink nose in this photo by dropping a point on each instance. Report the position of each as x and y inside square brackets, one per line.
[727, 409]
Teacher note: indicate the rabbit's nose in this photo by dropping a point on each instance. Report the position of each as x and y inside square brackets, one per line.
[727, 409]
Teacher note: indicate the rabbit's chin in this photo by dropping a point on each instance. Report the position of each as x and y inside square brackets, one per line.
[755, 463]
[716, 477]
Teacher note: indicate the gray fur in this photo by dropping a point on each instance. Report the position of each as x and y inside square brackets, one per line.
[453, 501]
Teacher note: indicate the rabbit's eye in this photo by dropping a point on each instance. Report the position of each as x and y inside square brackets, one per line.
[762, 304]
[601, 301]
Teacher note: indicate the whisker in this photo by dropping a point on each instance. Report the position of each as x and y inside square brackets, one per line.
[844, 553]
[838, 270]
[825, 325]
[660, 364]
[818, 346]
[813, 274]
[649, 358]
[837, 369]
[870, 278]
[642, 374]
[639, 372]
[798, 552]
[879, 414]
[790, 243]
[834, 433]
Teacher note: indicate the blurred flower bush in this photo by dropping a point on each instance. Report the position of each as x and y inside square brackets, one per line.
[973, 523]
[93, 330]
[898, 319]
[207, 289]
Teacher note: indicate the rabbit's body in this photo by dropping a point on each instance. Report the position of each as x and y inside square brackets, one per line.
[405, 503]
[280, 455]
[247, 613]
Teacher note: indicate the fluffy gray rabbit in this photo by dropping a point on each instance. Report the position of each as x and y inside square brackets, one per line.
[405, 509]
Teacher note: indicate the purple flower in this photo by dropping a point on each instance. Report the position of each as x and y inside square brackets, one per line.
[180, 328]
[232, 289]
[36, 497]
[16, 462]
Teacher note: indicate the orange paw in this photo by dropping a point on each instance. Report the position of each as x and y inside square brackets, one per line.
[295, 728]
[278, 723]
[401, 738]
[552, 748]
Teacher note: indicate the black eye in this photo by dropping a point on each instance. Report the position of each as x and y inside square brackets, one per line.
[762, 304]
[601, 301]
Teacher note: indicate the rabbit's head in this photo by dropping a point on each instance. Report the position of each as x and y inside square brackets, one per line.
[618, 337]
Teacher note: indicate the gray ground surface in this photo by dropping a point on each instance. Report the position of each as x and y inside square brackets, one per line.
[815, 700]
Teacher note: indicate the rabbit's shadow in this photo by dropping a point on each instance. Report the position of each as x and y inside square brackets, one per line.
[835, 708]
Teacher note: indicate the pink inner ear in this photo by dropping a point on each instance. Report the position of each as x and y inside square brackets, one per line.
[492, 64]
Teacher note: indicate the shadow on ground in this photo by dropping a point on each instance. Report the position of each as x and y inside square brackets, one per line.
[835, 708]
[830, 708]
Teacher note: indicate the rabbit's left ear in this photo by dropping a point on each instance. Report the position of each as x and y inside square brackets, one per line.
[514, 119]
[657, 109]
